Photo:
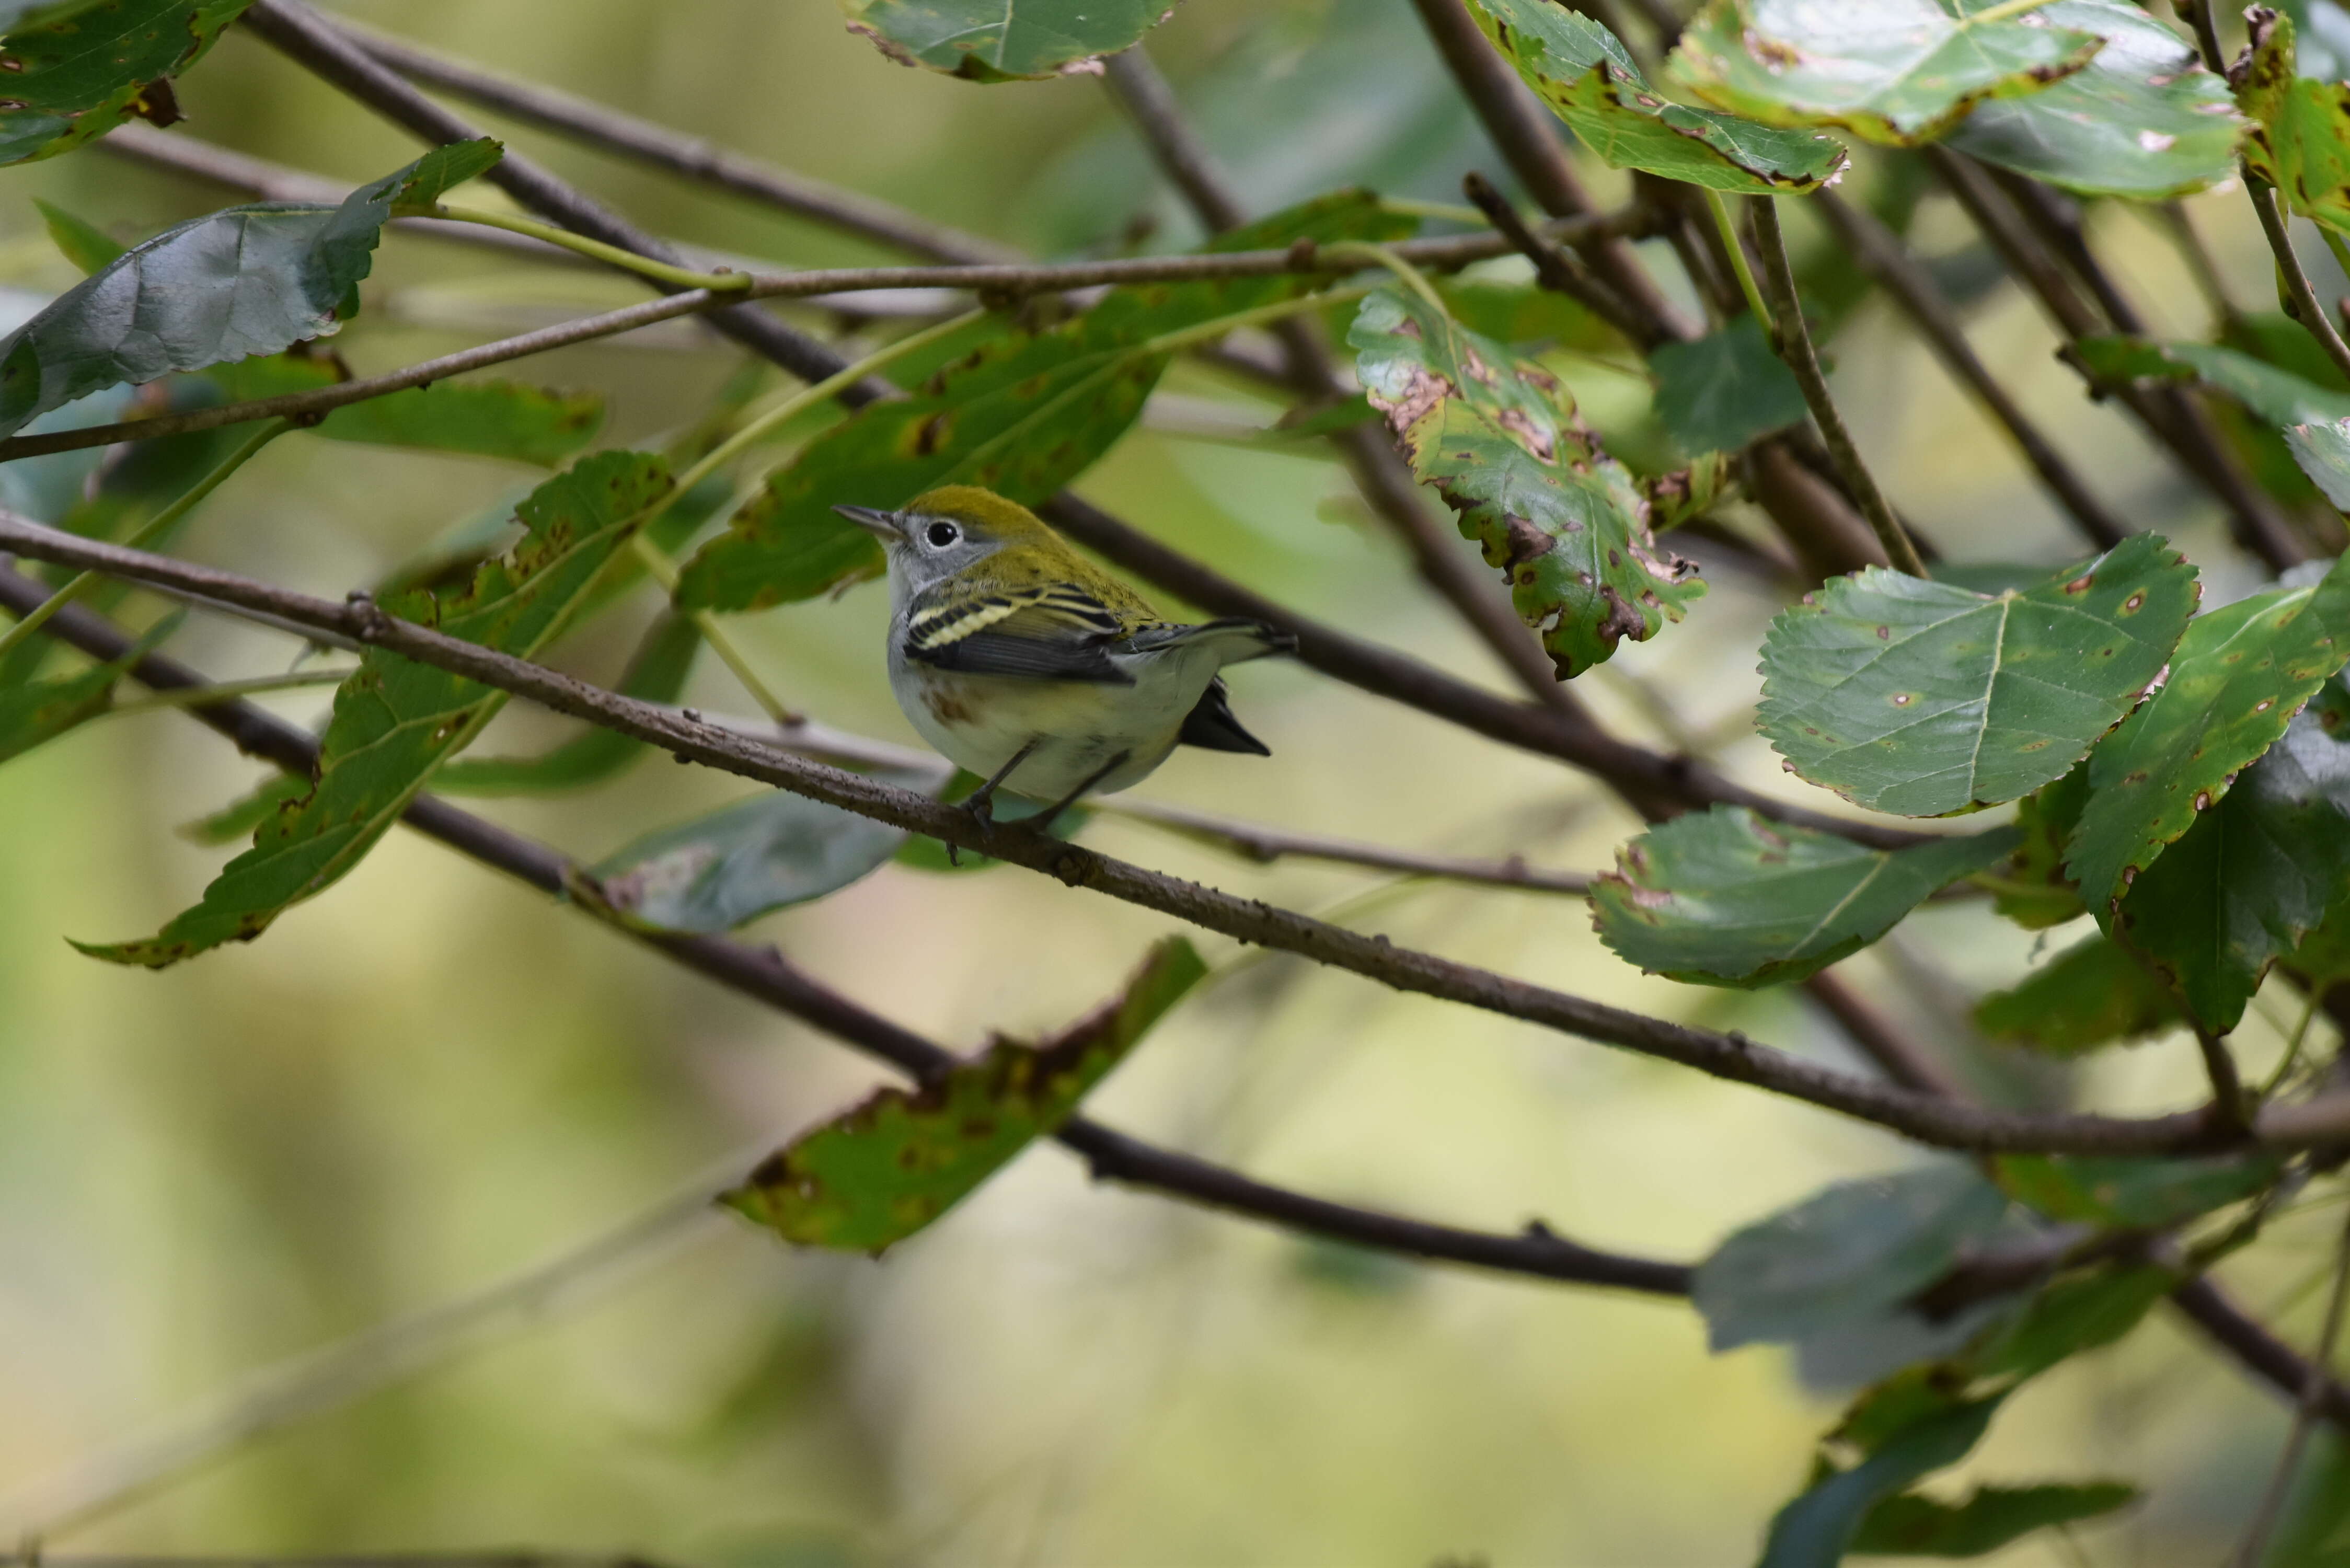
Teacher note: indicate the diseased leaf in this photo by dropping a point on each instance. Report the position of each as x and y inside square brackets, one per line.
[76, 71]
[1723, 390]
[1005, 40]
[2323, 451]
[1926, 699]
[2033, 890]
[657, 674]
[1727, 898]
[2143, 120]
[2092, 994]
[1914, 1526]
[2236, 679]
[1022, 415]
[85, 245]
[1497, 437]
[249, 280]
[487, 418]
[395, 720]
[2137, 1193]
[1816, 1529]
[2275, 395]
[1901, 72]
[875, 1175]
[2300, 140]
[1583, 71]
[239, 818]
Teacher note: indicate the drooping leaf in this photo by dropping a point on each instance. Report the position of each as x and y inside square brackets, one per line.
[1727, 387]
[2300, 139]
[2033, 890]
[395, 720]
[2323, 451]
[2143, 120]
[76, 71]
[1910, 1525]
[1497, 437]
[1901, 72]
[875, 1175]
[1005, 40]
[1583, 72]
[488, 418]
[2092, 994]
[1816, 1529]
[2275, 395]
[88, 247]
[34, 712]
[657, 674]
[249, 280]
[1855, 1250]
[1926, 699]
[2132, 1192]
[1725, 898]
[1022, 415]
[240, 817]
[725, 868]
[2236, 679]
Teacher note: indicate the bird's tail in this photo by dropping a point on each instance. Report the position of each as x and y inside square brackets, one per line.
[1237, 640]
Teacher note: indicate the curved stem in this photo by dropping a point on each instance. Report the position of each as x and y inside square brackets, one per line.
[1736, 248]
[2311, 314]
[581, 244]
[227, 690]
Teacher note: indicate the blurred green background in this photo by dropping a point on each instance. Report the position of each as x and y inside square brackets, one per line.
[428, 1079]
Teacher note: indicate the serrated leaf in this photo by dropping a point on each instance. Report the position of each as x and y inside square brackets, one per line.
[2143, 120]
[2275, 395]
[395, 720]
[2033, 890]
[1496, 436]
[657, 674]
[875, 1175]
[1724, 897]
[1583, 72]
[725, 868]
[486, 418]
[1022, 415]
[1816, 1529]
[76, 71]
[2300, 139]
[2239, 676]
[2092, 994]
[1914, 1526]
[88, 247]
[1005, 40]
[1926, 699]
[249, 280]
[1900, 72]
[2132, 1193]
[1719, 392]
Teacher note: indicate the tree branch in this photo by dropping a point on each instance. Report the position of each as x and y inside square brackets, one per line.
[2242, 1336]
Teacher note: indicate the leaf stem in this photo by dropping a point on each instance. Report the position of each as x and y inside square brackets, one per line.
[2293, 1046]
[1447, 212]
[153, 529]
[1738, 265]
[579, 244]
[1793, 342]
[663, 570]
[2306, 308]
[1407, 274]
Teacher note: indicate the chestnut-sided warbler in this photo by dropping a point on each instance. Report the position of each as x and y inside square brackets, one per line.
[1023, 663]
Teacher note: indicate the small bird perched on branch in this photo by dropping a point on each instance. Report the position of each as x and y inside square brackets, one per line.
[1024, 663]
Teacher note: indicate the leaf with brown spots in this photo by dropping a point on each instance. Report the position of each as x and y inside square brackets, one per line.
[878, 1173]
[1497, 437]
[2299, 141]
[1928, 699]
[74, 72]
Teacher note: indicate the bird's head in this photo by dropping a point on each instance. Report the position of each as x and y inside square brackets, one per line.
[953, 528]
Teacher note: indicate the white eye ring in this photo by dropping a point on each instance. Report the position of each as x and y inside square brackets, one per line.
[942, 535]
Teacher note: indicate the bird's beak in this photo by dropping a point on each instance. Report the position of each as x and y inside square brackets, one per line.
[882, 525]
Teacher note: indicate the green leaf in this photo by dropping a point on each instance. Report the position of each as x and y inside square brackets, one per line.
[1005, 40]
[2300, 140]
[240, 817]
[657, 674]
[76, 71]
[1582, 70]
[2092, 994]
[1851, 1251]
[394, 721]
[1497, 437]
[34, 712]
[2143, 120]
[1022, 415]
[2237, 677]
[1914, 1526]
[1901, 72]
[2323, 451]
[2132, 1193]
[249, 280]
[88, 247]
[1926, 699]
[489, 419]
[2033, 890]
[875, 1175]
[1724, 898]
[2275, 395]
[1816, 1529]
[2076, 1313]
[726, 867]
[1725, 389]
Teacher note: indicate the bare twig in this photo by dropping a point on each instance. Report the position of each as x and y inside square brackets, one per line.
[1793, 340]
[2306, 1411]
[1267, 845]
[1553, 269]
[2267, 1356]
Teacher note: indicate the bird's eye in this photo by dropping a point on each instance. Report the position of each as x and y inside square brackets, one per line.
[942, 535]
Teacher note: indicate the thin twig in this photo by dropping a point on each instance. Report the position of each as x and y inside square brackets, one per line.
[1554, 268]
[1267, 845]
[2306, 1411]
[1794, 341]
[2227, 1085]
[2313, 316]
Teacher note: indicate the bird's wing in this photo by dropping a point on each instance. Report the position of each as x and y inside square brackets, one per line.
[1237, 639]
[1052, 632]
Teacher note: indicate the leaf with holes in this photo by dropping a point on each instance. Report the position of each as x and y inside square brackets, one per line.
[875, 1175]
[1583, 71]
[2239, 676]
[2300, 140]
[395, 720]
[1005, 40]
[76, 71]
[1725, 389]
[1497, 437]
[249, 280]
[1724, 898]
[1901, 72]
[2092, 994]
[2273, 396]
[2143, 120]
[1022, 415]
[1926, 699]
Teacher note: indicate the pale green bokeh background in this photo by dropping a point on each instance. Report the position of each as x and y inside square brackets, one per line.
[429, 1077]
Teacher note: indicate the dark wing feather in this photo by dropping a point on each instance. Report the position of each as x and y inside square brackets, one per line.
[1210, 725]
[1058, 633]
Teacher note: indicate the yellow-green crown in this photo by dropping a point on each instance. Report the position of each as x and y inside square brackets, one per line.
[984, 509]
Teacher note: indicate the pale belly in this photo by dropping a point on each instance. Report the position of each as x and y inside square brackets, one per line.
[979, 722]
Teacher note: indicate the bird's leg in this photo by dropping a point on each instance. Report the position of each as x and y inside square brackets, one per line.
[981, 802]
[1043, 821]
